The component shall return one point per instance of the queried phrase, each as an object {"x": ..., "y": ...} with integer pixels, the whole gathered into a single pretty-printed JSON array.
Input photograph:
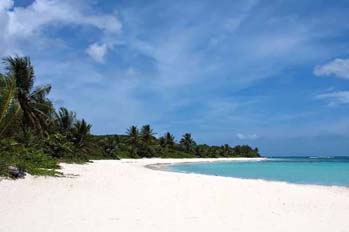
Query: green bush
[
  {"x": 58, "y": 146},
  {"x": 34, "y": 162}
]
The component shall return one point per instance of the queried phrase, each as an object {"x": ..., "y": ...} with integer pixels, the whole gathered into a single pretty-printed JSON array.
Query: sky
[{"x": 272, "y": 74}]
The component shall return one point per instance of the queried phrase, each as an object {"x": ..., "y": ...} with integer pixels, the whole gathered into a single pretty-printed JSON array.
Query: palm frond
[
  {"x": 22, "y": 70},
  {"x": 40, "y": 93},
  {"x": 9, "y": 107}
]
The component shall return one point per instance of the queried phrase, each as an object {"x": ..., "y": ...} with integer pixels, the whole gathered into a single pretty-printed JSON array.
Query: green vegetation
[{"x": 35, "y": 137}]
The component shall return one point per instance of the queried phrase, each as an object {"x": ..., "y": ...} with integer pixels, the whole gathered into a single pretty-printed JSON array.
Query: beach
[{"x": 137, "y": 195}]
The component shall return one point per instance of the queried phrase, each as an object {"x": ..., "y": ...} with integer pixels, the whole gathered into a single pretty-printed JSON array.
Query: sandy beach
[{"x": 127, "y": 196}]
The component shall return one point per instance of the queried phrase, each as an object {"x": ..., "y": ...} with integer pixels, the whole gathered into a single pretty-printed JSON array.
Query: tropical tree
[
  {"x": 9, "y": 107},
  {"x": 109, "y": 145},
  {"x": 65, "y": 119},
  {"x": 162, "y": 141},
  {"x": 58, "y": 146},
  {"x": 147, "y": 140},
  {"x": 133, "y": 140},
  {"x": 147, "y": 135},
  {"x": 80, "y": 134},
  {"x": 187, "y": 142},
  {"x": 168, "y": 140},
  {"x": 36, "y": 108},
  {"x": 198, "y": 151},
  {"x": 226, "y": 150}
]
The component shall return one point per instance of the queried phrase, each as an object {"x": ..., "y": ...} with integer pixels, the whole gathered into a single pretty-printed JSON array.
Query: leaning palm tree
[
  {"x": 187, "y": 142},
  {"x": 9, "y": 107},
  {"x": 33, "y": 102}
]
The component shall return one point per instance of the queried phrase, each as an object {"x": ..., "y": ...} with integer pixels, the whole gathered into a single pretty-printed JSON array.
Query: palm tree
[
  {"x": 169, "y": 139},
  {"x": 36, "y": 108},
  {"x": 80, "y": 132},
  {"x": 133, "y": 134},
  {"x": 133, "y": 139},
  {"x": 147, "y": 135},
  {"x": 65, "y": 119},
  {"x": 9, "y": 107},
  {"x": 110, "y": 146},
  {"x": 147, "y": 139},
  {"x": 187, "y": 142}
]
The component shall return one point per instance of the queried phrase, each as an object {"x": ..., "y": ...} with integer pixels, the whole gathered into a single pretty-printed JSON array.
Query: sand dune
[{"x": 126, "y": 196}]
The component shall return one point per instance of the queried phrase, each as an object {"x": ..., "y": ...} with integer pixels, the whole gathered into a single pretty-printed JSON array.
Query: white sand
[{"x": 125, "y": 196}]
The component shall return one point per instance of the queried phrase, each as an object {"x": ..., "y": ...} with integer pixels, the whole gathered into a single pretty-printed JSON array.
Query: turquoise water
[{"x": 319, "y": 171}]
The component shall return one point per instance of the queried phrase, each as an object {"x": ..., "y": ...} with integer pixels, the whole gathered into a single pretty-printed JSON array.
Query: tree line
[
  {"x": 35, "y": 137},
  {"x": 140, "y": 143}
]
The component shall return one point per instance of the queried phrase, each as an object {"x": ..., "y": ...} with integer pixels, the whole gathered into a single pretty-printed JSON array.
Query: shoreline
[
  {"x": 171, "y": 161},
  {"x": 125, "y": 195},
  {"x": 162, "y": 166}
]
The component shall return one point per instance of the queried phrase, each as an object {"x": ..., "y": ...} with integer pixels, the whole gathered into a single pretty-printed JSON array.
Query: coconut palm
[
  {"x": 109, "y": 146},
  {"x": 167, "y": 140},
  {"x": 147, "y": 135},
  {"x": 187, "y": 142},
  {"x": 133, "y": 140},
  {"x": 170, "y": 139},
  {"x": 65, "y": 119},
  {"x": 80, "y": 133},
  {"x": 9, "y": 107},
  {"x": 36, "y": 108},
  {"x": 147, "y": 140},
  {"x": 133, "y": 134}
]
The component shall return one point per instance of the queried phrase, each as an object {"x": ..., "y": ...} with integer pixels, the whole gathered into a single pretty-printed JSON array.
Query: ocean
[{"x": 301, "y": 170}]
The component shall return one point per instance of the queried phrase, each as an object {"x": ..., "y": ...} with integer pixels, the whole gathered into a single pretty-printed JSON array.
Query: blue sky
[{"x": 272, "y": 74}]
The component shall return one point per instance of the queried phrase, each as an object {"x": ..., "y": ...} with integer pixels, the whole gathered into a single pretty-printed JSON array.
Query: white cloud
[
  {"x": 6, "y": 4},
  {"x": 45, "y": 12},
  {"x": 337, "y": 67},
  {"x": 26, "y": 23},
  {"x": 97, "y": 51},
  {"x": 335, "y": 98},
  {"x": 246, "y": 136}
]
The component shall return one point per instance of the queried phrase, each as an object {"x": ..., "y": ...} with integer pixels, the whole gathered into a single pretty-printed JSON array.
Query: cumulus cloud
[
  {"x": 23, "y": 23},
  {"x": 337, "y": 67},
  {"x": 97, "y": 51},
  {"x": 246, "y": 136},
  {"x": 335, "y": 98},
  {"x": 44, "y": 12}
]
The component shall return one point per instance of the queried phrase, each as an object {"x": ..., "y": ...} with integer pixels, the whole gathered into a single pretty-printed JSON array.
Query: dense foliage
[{"x": 35, "y": 137}]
